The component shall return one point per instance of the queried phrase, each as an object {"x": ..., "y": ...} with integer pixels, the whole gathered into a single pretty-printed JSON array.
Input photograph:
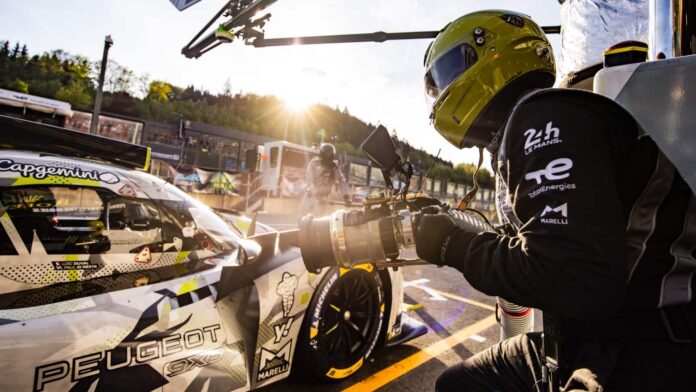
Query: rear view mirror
[
  {"x": 380, "y": 149},
  {"x": 248, "y": 251}
]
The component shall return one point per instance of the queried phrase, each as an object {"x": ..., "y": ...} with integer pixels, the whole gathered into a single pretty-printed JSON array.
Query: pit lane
[
  {"x": 460, "y": 323},
  {"x": 460, "y": 320}
]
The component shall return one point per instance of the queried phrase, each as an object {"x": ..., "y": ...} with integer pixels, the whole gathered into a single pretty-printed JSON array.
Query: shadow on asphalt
[
  {"x": 437, "y": 328},
  {"x": 297, "y": 381}
]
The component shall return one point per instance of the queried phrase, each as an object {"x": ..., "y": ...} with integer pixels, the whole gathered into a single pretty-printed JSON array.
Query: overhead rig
[{"x": 243, "y": 20}]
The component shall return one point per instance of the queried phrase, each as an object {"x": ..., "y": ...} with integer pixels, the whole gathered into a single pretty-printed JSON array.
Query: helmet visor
[{"x": 447, "y": 68}]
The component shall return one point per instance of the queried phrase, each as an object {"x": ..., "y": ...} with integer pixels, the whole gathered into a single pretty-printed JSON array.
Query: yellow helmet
[{"x": 478, "y": 67}]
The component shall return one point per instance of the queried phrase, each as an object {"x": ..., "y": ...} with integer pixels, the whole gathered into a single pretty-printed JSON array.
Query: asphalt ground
[{"x": 460, "y": 321}]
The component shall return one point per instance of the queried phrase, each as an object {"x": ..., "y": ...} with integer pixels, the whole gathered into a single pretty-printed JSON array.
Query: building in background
[
  {"x": 119, "y": 128},
  {"x": 31, "y": 107},
  {"x": 206, "y": 158}
]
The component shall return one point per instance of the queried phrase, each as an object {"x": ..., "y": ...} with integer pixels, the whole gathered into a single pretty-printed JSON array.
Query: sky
[{"x": 376, "y": 82}]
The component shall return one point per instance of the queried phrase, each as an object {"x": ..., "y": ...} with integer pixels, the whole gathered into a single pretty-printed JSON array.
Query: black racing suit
[{"x": 599, "y": 214}]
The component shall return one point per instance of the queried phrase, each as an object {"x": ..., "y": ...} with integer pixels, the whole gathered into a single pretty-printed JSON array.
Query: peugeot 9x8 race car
[{"x": 113, "y": 279}]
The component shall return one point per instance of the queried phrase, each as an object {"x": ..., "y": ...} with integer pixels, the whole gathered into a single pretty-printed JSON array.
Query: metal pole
[
  {"x": 379, "y": 36},
  {"x": 248, "y": 192},
  {"x": 98, "y": 98},
  {"x": 662, "y": 29}
]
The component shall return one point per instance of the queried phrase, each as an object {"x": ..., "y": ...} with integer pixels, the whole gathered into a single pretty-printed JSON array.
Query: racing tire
[{"x": 343, "y": 323}]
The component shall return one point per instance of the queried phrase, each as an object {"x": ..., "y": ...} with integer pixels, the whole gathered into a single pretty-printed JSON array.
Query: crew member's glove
[
  {"x": 439, "y": 240},
  {"x": 347, "y": 200}
]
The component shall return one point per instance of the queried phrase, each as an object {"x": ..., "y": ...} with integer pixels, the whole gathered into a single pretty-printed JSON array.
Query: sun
[
  {"x": 300, "y": 89},
  {"x": 297, "y": 102}
]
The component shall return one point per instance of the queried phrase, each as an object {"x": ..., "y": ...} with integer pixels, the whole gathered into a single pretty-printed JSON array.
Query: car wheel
[{"x": 342, "y": 324}]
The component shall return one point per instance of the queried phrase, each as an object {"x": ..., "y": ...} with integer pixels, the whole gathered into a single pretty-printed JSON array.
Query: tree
[
  {"x": 15, "y": 52},
  {"x": 24, "y": 54},
  {"x": 44, "y": 88},
  {"x": 75, "y": 93},
  {"x": 484, "y": 176},
  {"x": 5, "y": 49},
  {"x": 4, "y": 62},
  {"x": 159, "y": 91},
  {"x": 78, "y": 67},
  {"x": 19, "y": 86},
  {"x": 227, "y": 89},
  {"x": 142, "y": 84},
  {"x": 121, "y": 78},
  {"x": 121, "y": 102},
  {"x": 117, "y": 77}
]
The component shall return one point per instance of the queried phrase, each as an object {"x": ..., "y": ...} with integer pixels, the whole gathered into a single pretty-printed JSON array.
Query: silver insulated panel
[{"x": 589, "y": 27}]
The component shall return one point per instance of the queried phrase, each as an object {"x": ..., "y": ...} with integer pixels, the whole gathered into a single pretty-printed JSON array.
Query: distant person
[{"x": 322, "y": 174}]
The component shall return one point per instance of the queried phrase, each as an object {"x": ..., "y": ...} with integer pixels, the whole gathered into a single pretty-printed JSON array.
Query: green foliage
[
  {"x": 54, "y": 74},
  {"x": 159, "y": 91},
  {"x": 76, "y": 93},
  {"x": 4, "y": 49},
  {"x": 70, "y": 78},
  {"x": 484, "y": 176},
  {"x": 349, "y": 149},
  {"x": 19, "y": 86},
  {"x": 45, "y": 88}
]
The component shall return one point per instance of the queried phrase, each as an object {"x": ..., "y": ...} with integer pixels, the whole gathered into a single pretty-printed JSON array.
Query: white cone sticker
[{"x": 144, "y": 256}]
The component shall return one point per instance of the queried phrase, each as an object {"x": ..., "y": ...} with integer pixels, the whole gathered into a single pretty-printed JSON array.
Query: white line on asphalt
[
  {"x": 415, "y": 282},
  {"x": 396, "y": 370},
  {"x": 458, "y": 298},
  {"x": 477, "y": 338},
  {"x": 418, "y": 283}
]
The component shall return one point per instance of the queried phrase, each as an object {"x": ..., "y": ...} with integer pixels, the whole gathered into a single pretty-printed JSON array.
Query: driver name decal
[{"x": 74, "y": 265}]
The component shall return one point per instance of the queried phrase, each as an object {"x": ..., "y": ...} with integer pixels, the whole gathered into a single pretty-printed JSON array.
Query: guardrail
[{"x": 253, "y": 187}]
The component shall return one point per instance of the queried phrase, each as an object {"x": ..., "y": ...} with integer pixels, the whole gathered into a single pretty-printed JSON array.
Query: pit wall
[{"x": 217, "y": 201}]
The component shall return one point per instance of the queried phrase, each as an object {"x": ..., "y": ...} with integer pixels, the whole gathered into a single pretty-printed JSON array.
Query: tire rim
[{"x": 348, "y": 319}]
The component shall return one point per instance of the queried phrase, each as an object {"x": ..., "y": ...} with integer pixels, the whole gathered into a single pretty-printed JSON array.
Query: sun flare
[{"x": 297, "y": 103}]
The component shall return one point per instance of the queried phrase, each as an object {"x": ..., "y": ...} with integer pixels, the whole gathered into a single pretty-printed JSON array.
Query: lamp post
[{"x": 108, "y": 42}]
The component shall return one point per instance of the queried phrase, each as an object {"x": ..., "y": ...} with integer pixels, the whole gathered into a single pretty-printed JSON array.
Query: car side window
[
  {"x": 132, "y": 224},
  {"x": 79, "y": 220},
  {"x": 66, "y": 220},
  {"x": 132, "y": 214}
]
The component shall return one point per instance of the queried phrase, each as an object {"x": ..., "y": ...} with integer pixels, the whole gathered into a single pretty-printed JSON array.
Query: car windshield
[
  {"x": 200, "y": 222},
  {"x": 241, "y": 224}
]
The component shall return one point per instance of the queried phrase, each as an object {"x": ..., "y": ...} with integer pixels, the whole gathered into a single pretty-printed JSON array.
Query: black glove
[{"x": 439, "y": 240}]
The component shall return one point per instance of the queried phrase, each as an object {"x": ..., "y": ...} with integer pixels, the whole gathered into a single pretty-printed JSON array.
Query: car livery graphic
[{"x": 113, "y": 279}]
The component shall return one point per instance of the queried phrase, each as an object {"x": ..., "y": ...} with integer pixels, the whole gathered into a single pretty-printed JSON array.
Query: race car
[{"x": 113, "y": 279}]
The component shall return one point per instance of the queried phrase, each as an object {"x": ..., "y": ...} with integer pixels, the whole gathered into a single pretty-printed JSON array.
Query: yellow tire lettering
[{"x": 338, "y": 374}]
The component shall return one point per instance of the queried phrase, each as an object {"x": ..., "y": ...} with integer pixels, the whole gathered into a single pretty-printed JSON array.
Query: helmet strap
[{"x": 464, "y": 203}]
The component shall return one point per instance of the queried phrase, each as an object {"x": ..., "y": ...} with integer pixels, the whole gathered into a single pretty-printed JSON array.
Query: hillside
[{"x": 72, "y": 78}]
